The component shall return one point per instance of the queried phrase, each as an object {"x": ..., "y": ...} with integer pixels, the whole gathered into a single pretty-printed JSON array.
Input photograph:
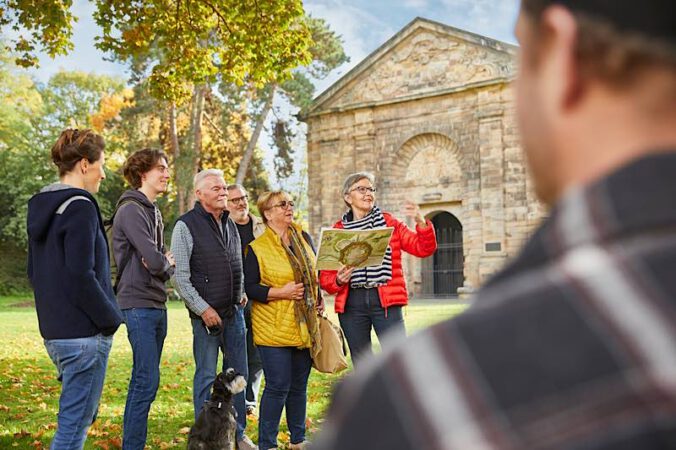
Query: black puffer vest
[{"x": 216, "y": 261}]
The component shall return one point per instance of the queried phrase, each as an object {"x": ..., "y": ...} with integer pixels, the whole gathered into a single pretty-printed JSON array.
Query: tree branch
[{"x": 214, "y": 126}]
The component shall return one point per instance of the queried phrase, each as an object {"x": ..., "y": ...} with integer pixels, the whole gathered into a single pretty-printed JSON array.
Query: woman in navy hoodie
[{"x": 70, "y": 273}]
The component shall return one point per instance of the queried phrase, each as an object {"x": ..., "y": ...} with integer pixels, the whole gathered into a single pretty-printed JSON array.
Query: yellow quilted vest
[{"x": 274, "y": 323}]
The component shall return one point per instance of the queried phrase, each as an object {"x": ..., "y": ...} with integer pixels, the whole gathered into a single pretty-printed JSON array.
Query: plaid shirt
[{"x": 572, "y": 345}]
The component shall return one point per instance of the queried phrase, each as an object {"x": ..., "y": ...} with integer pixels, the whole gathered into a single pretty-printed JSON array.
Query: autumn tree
[
  {"x": 327, "y": 54},
  {"x": 186, "y": 47},
  {"x": 32, "y": 117},
  {"x": 45, "y": 25}
]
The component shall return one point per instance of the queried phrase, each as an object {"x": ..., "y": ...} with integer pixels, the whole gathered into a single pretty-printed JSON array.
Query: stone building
[{"x": 431, "y": 114}]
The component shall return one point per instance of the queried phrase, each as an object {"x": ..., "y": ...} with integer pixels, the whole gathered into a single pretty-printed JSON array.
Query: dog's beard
[{"x": 237, "y": 385}]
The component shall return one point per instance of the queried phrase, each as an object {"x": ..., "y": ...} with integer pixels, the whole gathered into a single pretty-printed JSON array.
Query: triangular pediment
[{"x": 424, "y": 58}]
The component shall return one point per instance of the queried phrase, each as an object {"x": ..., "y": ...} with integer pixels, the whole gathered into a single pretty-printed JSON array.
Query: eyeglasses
[
  {"x": 364, "y": 189},
  {"x": 284, "y": 204},
  {"x": 237, "y": 200}
]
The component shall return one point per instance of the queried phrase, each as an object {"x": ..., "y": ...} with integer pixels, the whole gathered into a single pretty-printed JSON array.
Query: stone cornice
[{"x": 424, "y": 95}]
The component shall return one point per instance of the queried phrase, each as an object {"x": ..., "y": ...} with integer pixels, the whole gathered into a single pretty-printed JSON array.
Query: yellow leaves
[
  {"x": 184, "y": 430},
  {"x": 110, "y": 107}
]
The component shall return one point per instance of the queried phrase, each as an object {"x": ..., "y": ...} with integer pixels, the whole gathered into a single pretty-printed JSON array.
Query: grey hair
[
  {"x": 232, "y": 187},
  {"x": 204, "y": 174},
  {"x": 355, "y": 178}
]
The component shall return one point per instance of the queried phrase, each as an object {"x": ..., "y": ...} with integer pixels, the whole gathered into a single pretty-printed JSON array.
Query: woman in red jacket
[{"x": 372, "y": 297}]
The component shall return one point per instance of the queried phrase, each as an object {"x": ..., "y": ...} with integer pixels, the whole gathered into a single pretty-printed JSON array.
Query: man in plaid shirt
[{"x": 573, "y": 344}]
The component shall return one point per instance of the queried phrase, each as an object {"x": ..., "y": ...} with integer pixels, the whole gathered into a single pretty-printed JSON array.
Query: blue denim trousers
[
  {"x": 364, "y": 312},
  {"x": 146, "y": 330},
  {"x": 205, "y": 348},
  {"x": 286, "y": 372},
  {"x": 253, "y": 360},
  {"x": 81, "y": 366}
]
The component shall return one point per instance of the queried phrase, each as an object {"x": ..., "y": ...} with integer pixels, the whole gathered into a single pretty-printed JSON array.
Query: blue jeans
[
  {"x": 286, "y": 372},
  {"x": 146, "y": 330},
  {"x": 254, "y": 361},
  {"x": 363, "y": 311},
  {"x": 205, "y": 347},
  {"x": 81, "y": 366}
]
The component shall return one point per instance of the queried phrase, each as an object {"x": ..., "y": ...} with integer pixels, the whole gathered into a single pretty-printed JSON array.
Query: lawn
[{"x": 29, "y": 390}]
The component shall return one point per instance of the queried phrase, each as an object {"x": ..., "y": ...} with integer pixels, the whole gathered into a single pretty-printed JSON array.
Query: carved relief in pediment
[{"x": 426, "y": 62}]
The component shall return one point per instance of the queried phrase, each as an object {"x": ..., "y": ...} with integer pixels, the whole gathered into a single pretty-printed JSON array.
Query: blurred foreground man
[{"x": 573, "y": 345}]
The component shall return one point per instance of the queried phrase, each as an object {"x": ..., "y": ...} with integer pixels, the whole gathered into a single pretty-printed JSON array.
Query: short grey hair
[
  {"x": 204, "y": 174},
  {"x": 355, "y": 178},
  {"x": 232, "y": 187}
]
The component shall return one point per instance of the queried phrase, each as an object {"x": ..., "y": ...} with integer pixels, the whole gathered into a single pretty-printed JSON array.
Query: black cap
[{"x": 655, "y": 19}]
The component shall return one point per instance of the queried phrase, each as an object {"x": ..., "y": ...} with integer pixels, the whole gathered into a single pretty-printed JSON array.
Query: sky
[{"x": 363, "y": 24}]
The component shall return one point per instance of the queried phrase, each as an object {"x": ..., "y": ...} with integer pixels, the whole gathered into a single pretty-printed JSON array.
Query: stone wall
[{"x": 455, "y": 149}]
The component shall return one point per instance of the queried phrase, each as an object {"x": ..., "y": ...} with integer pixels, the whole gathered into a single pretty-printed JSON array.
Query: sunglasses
[
  {"x": 364, "y": 189},
  {"x": 237, "y": 200},
  {"x": 284, "y": 204}
]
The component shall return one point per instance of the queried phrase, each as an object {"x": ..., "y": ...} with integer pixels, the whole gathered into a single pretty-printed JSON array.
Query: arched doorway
[{"x": 443, "y": 273}]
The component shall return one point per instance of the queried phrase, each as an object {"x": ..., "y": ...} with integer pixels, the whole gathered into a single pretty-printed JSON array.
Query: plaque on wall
[{"x": 493, "y": 246}]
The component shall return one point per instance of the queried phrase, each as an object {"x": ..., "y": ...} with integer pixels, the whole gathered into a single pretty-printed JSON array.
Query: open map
[{"x": 355, "y": 248}]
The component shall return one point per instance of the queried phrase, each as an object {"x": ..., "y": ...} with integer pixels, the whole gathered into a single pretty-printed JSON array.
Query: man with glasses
[{"x": 249, "y": 227}]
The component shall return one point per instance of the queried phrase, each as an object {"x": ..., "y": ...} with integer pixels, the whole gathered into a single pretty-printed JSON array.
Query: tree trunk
[
  {"x": 176, "y": 151},
  {"x": 196, "y": 128},
  {"x": 188, "y": 157},
  {"x": 251, "y": 145}
]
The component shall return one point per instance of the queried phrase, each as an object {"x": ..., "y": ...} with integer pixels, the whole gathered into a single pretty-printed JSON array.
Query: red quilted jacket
[{"x": 420, "y": 243}]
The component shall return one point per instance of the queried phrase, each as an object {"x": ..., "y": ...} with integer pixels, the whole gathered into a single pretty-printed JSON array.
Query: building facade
[{"x": 431, "y": 114}]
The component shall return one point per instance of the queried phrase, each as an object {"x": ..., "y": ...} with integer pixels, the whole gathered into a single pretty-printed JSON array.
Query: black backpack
[{"x": 115, "y": 270}]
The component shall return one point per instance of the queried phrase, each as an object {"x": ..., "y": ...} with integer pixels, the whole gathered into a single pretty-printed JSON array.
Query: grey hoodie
[{"x": 138, "y": 233}]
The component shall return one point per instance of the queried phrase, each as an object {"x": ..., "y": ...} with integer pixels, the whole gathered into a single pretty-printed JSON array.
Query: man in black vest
[{"x": 209, "y": 278}]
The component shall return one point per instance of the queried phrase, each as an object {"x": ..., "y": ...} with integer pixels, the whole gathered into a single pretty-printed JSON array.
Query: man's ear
[{"x": 566, "y": 84}]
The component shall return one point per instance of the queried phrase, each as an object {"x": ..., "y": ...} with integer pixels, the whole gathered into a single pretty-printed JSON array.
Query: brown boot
[{"x": 299, "y": 446}]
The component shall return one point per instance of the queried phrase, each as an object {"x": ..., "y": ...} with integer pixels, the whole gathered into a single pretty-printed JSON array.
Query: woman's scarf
[
  {"x": 373, "y": 276},
  {"x": 303, "y": 265}
]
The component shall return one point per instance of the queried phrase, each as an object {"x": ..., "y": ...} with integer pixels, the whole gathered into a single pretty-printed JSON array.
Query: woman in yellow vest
[{"x": 280, "y": 278}]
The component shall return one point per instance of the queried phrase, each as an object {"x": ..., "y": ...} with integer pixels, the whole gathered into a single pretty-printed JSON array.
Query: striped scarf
[{"x": 373, "y": 276}]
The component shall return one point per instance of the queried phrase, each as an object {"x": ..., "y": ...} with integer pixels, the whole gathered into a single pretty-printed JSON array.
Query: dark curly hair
[
  {"x": 73, "y": 145},
  {"x": 140, "y": 162}
]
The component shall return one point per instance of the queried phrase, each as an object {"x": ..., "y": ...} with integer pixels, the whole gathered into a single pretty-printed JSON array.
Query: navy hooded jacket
[{"x": 68, "y": 265}]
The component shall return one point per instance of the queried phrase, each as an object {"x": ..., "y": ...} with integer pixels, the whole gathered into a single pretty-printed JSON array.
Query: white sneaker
[{"x": 246, "y": 444}]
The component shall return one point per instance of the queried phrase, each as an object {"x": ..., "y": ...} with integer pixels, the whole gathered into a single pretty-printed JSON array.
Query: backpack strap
[
  {"x": 62, "y": 208},
  {"x": 127, "y": 256}
]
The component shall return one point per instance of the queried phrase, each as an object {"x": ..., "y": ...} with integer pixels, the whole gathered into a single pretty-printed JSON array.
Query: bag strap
[
  {"x": 68, "y": 201},
  {"x": 127, "y": 256}
]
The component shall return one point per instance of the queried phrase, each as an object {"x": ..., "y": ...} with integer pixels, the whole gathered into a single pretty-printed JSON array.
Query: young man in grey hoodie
[{"x": 143, "y": 269}]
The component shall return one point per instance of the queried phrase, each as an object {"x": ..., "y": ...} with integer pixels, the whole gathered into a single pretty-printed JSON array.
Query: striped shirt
[
  {"x": 572, "y": 345},
  {"x": 181, "y": 247}
]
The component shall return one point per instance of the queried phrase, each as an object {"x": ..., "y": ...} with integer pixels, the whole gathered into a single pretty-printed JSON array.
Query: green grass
[{"x": 29, "y": 390}]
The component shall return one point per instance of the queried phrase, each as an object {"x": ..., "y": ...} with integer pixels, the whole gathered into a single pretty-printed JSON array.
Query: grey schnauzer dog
[{"x": 216, "y": 424}]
